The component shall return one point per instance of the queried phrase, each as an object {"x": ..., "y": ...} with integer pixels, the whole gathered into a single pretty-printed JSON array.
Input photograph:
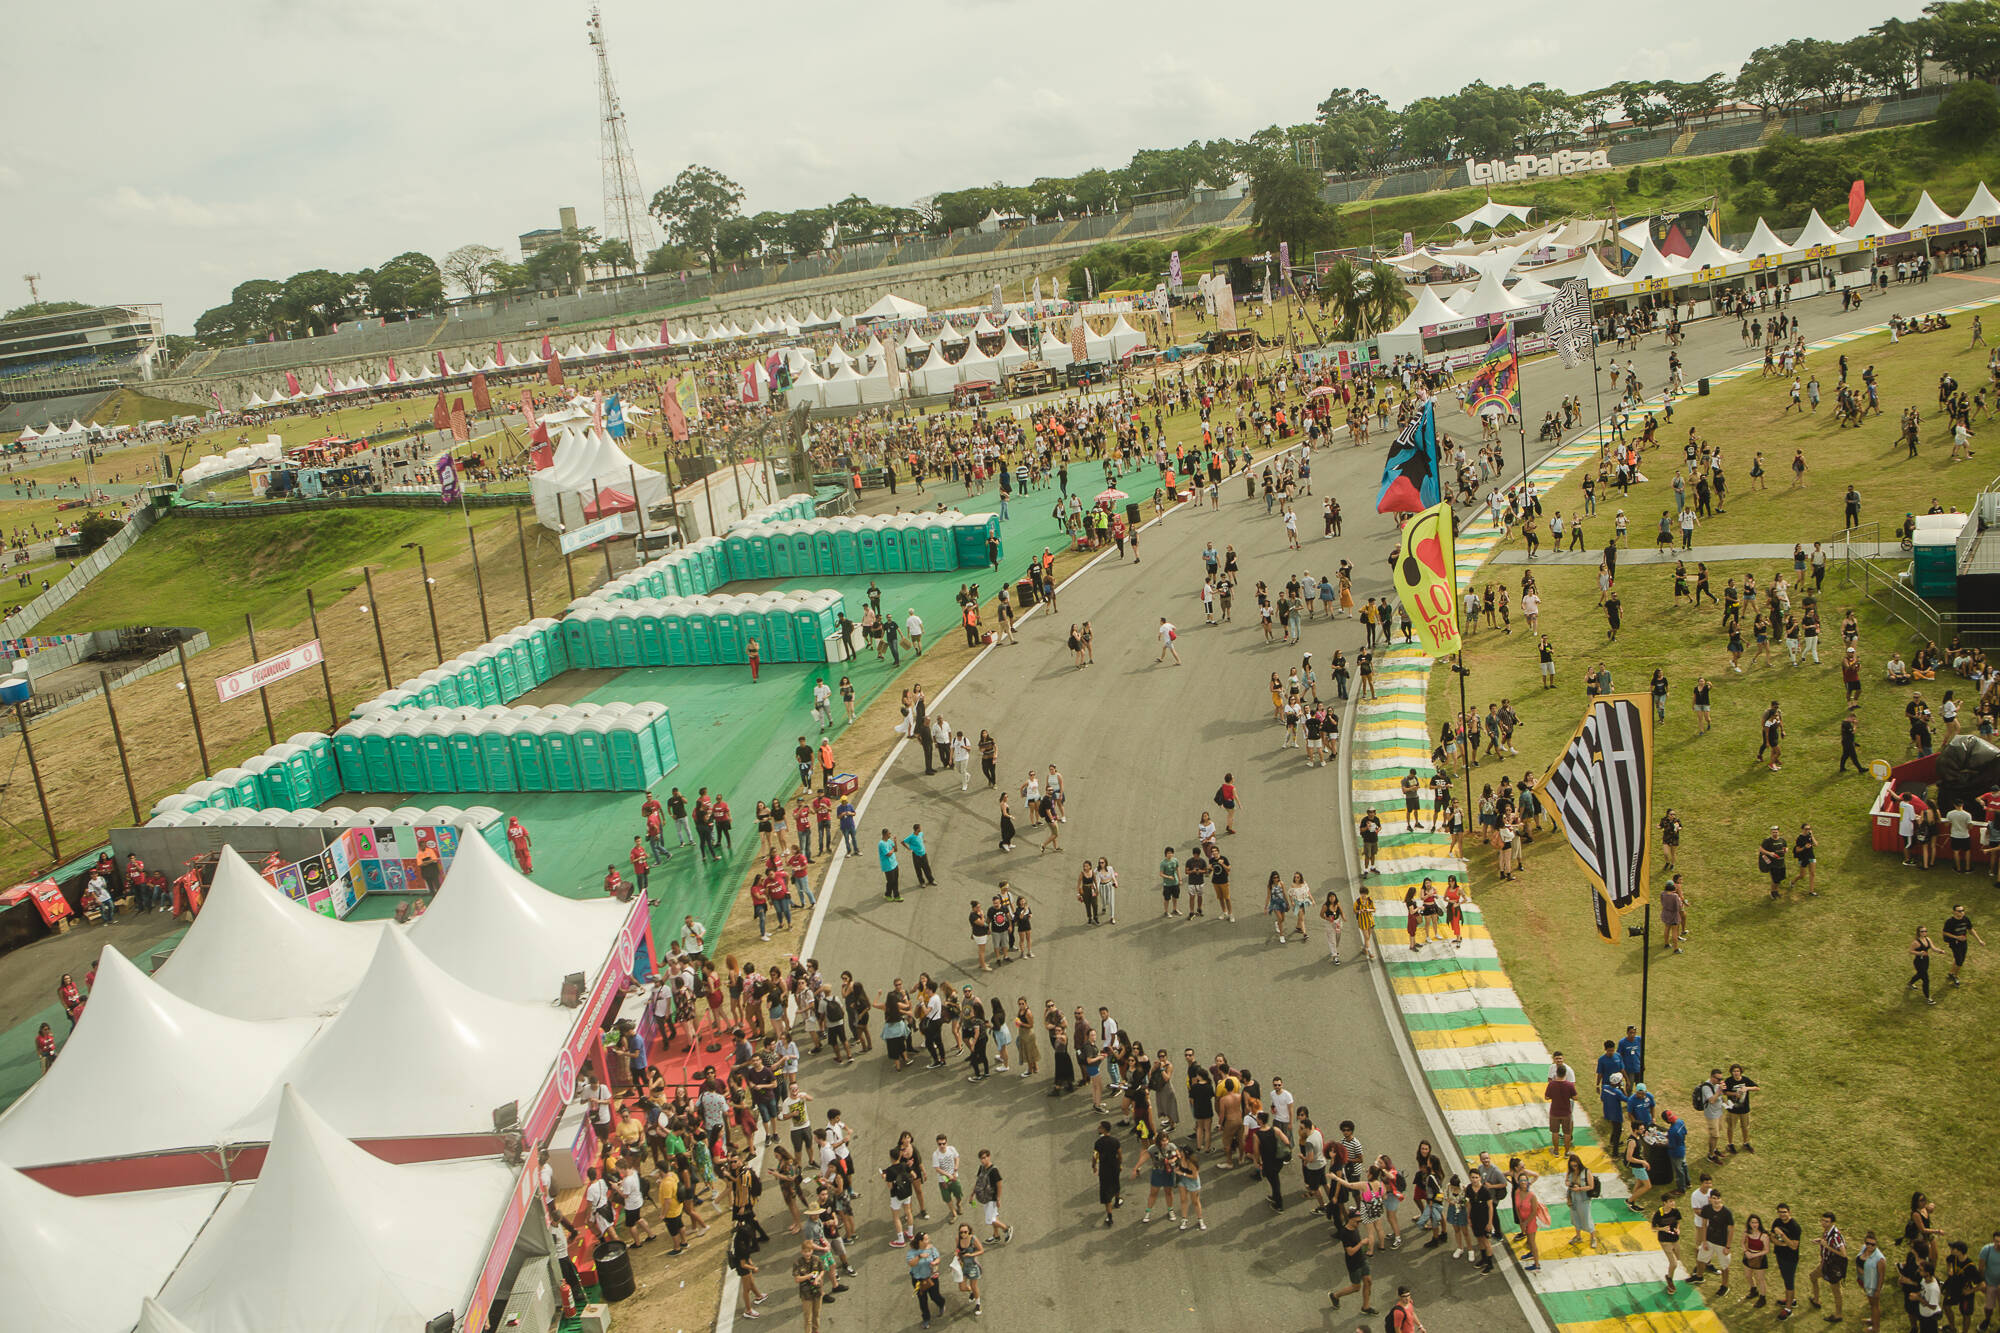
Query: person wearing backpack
[
  {"x": 1711, "y": 1101},
  {"x": 986, "y": 1186}
]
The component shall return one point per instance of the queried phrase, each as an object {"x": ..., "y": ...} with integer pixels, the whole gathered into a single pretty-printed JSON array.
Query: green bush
[
  {"x": 1968, "y": 115},
  {"x": 1739, "y": 168},
  {"x": 96, "y": 530}
]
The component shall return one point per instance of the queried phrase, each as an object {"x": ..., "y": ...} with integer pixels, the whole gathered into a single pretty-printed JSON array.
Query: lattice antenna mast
[{"x": 625, "y": 215}]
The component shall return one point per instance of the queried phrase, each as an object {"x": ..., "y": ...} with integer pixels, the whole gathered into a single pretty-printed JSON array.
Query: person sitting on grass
[{"x": 1895, "y": 671}]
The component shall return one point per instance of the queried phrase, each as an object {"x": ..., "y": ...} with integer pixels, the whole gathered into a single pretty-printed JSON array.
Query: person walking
[
  {"x": 1168, "y": 634},
  {"x": 922, "y": 1258},
  {"x": 1920, "y": 962},
  {"x": 885, "y": 851},
  {"x": 986, "y": 1189},
  {"x": 920, "y": 857},
  {"x": 1107, "y": 1160}
]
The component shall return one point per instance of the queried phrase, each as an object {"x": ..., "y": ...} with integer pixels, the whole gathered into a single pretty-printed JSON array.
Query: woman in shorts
[
  {"x": 1187, "y": 1172},
  {"x": 1196, "y": 870},
  {"x": 1302, "y": 901},
  {"x": 1277, "y": 903}
]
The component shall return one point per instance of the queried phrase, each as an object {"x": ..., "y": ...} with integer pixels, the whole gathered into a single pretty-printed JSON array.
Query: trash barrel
[{"x": 614, "y": 1271}]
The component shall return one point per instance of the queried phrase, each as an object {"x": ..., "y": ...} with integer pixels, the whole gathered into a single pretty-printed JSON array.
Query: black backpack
[{"x": 1704, "y": 1093}]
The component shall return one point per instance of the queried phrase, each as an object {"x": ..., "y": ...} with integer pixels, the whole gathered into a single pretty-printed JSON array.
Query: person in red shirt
[
  {"x": 823, "y": 816},
  {"x": 760, "y": 903},
  {"x": 71, "y": 997},
  {"x": 1560, "y": 1094},
  {"x": 798, "y": 866},
  {"x": 755, "y": 656},
  {"x": 517, "y": 838},
  {"x": 615, "y": 886},
  {"x": 656, "y": 826},
  {"x": 1225, "y": 796},
  {"x": 45, "y": 1046},
  {"x": 802, "y": 825},
  {"x": 642, "y": 869}
]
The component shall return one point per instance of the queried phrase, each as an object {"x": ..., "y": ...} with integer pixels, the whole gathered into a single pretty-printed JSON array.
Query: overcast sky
[{"x": 166, "y": 153}]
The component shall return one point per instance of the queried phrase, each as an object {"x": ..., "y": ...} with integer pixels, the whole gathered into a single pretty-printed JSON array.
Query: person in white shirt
[
  {"x": 600, "y": 1108},
  {"x": 597, "y": 1197},
  {"x": 632, "y": 1192},
  {"x": 944, "y": 1165},
  {"x": 1281, "y": 1108},
  {"x": 1167, "y": 636},
  {"x": 823, "y": 703},
  {"x": 693, "y": 935},
  {"x": 914, "y": 627},
  {"x": 961, "y": 759}
]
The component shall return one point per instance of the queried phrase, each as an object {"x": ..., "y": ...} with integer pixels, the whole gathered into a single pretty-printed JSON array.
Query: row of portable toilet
[
  {"x": 703, "y": 631},
  {"x": 803, "y": 548},
  {"x": 581, "y": 747},
  {"x": 496, "y": 672},
  {"x": 791, "y": 507},
  {"x": 481, "y": 819},
  {"x": 297, "y": 774}
]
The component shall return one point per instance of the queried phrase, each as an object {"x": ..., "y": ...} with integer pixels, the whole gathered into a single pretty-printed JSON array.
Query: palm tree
[
  {"x": 1388, "y": 296},
  {"x": 1346, "y": 292}
]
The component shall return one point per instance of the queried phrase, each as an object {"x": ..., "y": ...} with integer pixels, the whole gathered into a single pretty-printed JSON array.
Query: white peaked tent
[
  {"x": 1056, "y": 352},
  {"x": 983, "y": 325},
  {"x": 1096, "y": 346},
  {"x": 383, "y": 381},
  {"x": 1016, "y": 320},
  {"x": 876, "y": 385},
  {"x": 498, "y": 931},
  {"x": 1489, "y": 297},
  {"x": 1429, "y": 309},
  {"x": 1533, "y": 291},
  {"x": 467, "y": 368},
  {"x": 317, "y": 391},
  {"x": 193, "y": 1072},
  {"x": 1870, "y": 223},
  {"x": 1593, "y": 271},
  {"x": 83, "y": 1265},
  {"x": 1490, "y": 214},
  {"x": 254, "y": 953},
  {"x": 833, "y": 316},
  {"x": 842, "y": 388},
  {"x": 589, "y": 464},
  {"x": 417, "y": 1052},
  {"x": 1711, "y": 253},
  {"x": 1927, "y": 214},
  {"x": 1816, "y": 233},
  {"x": 597, "y": 349},
  {"x": 1652, "y": 264},
  {"x": 873, "y": 354},
  {"x": 333, "y": 1238},
  {"x": 1124, "y": 338},
  {"x": 1983, "y": 205},
  {"x": 813, "y": 319},
  {"x": 489, "y": 364},
  {"x": 806, "y": 388},
  {"x": 912, "y": 345},
  {"x": 1764, "y": 243},
  {"x": 1013, "y": 352},
  {"x": 937, "y": 374},
  {"x": 976, "y": 364},
  {"x": 30, "y": 433}
]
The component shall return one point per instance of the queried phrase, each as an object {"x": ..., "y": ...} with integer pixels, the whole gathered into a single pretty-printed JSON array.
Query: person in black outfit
[
  {"x": 1269, "y": 1137},
  {"x": 1847, "y": 738},
  {"x": 920, "y": 720},
  {"x": 1107, "y": 1156}
]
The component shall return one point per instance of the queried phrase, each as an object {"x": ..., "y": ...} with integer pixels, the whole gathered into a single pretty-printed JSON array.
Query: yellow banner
[
  {"x": 688, "y": 391},
  {"x": 1427, "y": 578}
]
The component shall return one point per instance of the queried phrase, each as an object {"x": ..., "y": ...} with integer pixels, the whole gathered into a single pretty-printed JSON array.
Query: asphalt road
[{"x": 1142, "y": 746}]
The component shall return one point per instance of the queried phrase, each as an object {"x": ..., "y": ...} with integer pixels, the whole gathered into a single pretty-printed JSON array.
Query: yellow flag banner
[
  {"x": 689, "y": 393},
  {"x": 1427, "y": 578}
]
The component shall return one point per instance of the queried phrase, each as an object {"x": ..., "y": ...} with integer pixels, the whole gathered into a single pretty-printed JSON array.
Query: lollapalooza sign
[{"x": 1527, "y": 166}]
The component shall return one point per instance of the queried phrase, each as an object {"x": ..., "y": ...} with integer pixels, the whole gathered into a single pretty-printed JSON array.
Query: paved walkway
[{"x": 1641, "y": 555}]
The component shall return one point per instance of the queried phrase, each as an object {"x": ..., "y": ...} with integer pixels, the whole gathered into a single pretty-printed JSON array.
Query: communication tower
[{"x": 625, "y": 215}]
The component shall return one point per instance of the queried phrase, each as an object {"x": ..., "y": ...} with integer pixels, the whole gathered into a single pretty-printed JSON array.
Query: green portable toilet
[
  {"x": 353, "y": 767},
  {"x": 559, "y": 745},
  {"x": 806, "y": 631},
  {"x": 531, "y": 759},
  {"x": 496, "y": 756},
  {"x": 780, "y": 639},
  {"x": 508, "y": 677},
  {"x": 701, "y": 638},
  {"x": 871, "y": 549},
  {"x": 537, "y": 640},
  {"x": 593, "y": 754},
  {"x": 635, "y": 763},
  {"x": 576, "y": 641},
  {"x": 408, "y": 755},
  {"x": 916, "y": 554},
  {"x": 940, "y": 550},
  {"x": 805, "y": 555},
  {"x": 625, "y": 639},
  {"x": 468, "y": 759},
  {"x": 892, "y": 548},
  {"x": 272, "y": 792},
  {"x": 784, "y": 556},
  {"x": 846, "y": 546},
  {"x": 726, "y": 628},
  {"x": 677, "y": 577},
  {"x": 597, "y": 633},
  {"x": 320, "y": 757},
  {"x": 516, "y": 642},
  {"x": 301, "y": 777},
  {"x": 426, "y": 692},
  {"x": 489, "y": 680},
  {"x": 663, "y": 738},
  {"x": 381, "y": 760},
  {"x": 652, "y": 629},
  {"x": 443, "y": 689},
  {"x": 659, "y": 583},
  {"x": 548, "y": 634},
  {"x": 674, "y": 638},
  {"x": 209, "y": 794},
  {"x": 758, "y": 546},
  {"x": 714, "y": 568},
  {"x": 249, "y": 791},
  {"x": 736, "y": 556}
]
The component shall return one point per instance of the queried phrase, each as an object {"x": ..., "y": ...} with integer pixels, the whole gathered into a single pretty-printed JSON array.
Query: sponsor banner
[
  {"x": 591, "y": 533},
  {"x": 269, "y": 671}
]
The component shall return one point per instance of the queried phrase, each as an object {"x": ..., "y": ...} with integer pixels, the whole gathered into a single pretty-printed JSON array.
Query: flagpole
[{"x": 1645, "y": 983}]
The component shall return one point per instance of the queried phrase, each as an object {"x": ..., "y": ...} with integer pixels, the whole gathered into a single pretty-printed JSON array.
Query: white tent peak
[
  {"x": 1982, "y": 205},
  {"x": 1489, "y": 297},
  {"x": 1651, "y": 263},
  {"x": 1870, "y": 223},
  {"x": 1763, "y": 243},
  {"x": 498, "y": 931},
  {"x": 1490, "y": 214},
  {"x": 1926, "y": 214},
  {"x": 1711, "y": 253},
  {"x": 1816, "y": 233},
  {"x": 1430, "y": 309},
  {"x": 253, "y": 953}
]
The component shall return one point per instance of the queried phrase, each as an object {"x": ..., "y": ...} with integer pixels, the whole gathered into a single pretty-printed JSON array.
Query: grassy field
[{"x": 1749, "y": 416}]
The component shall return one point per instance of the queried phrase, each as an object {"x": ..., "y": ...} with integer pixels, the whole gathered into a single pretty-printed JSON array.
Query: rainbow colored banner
[{"x": 1498, "y": 379}]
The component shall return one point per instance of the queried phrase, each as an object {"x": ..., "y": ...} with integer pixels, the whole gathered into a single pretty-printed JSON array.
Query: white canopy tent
[
  {"x": 1927, "y": 214},
  {"x": 1124, "y": 338},
  {"x": 331, "y": 1237},
  {"x": 83, "y": 1265},
  {"x": 589, "y": 465},
  {"x": 1711, "y": 253},
  {"x": 416, "y": 1052},
  {"x": 976, "y": 364},
  {"x": 842, "y": 388},
  {"x": 937, "y": 374},
  {"x": 1870, "y": 223},
  {"x": 1490, "y": 214},
  {"x": 891, "y": 306},
  {"x": 911, "y": 345},
  {"x": 1408, "y": 335},
  {"x": 1652, "y": 264},
  {"x": 255, "y": 954},
  {"x": 1764, "y": 243},
  {"x": 1983, "y": 205},
  {"x": 193, "y": 1072},
  {"x": 1013, "y": 352},
  {"x": 1816, "y": 233},
  {"x": 806, "y": 389},
  {"x": 1489, "y": 297},
  {"x": 1533, "y": 291},
  {"x": 877, "y": 386}
]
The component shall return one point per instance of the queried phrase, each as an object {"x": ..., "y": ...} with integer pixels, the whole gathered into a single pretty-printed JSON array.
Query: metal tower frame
[{"x": 625, "y": 215}]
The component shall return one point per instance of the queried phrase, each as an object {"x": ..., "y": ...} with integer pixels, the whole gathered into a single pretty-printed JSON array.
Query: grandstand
[{"x": 52, "y": 354}]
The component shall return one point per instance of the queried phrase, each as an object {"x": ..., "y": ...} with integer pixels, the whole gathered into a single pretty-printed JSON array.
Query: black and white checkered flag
[{"x": 1568, "y": 323}]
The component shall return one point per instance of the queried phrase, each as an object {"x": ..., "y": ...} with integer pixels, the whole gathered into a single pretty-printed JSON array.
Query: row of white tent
[
  {"x": 272, "y": 1024},
  {"x": 1535, "y": 288},
  {"x": 919, "y": 367}
]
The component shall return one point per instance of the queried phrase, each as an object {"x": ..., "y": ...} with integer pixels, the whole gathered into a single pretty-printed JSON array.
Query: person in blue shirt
[
  {"x": 923, "y": 1260},
  {"x": 918, "y": 857},
  {"x": 1611, "y": 1092},
  {"x": 891, "y": 873},
  {"x": 1632, "y": 1055},
  {"x": 848, "y": 827},
  {"x": 1677, "y": 1147},
  {"x": 1639, "y": 1106}
]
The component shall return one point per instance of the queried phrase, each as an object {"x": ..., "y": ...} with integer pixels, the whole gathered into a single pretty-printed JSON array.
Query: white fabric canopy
[
  {"x": 30, "y": 433},
  {"x": 1489, "y": 297},
  {"x": 83, "y": 1265},
  {"x": 1764, "y": 243},
  {"x": 1652, "y": 264},
  {"x": 1927, "y": 214},
  {"x": 1124, "y": 337},
  {"x": 1490, "y": 214},
  {"x": 254, "y": 953},
  {"x": 891, "y": 306},
  {"x": 1429, "y": 309},
  {"x": 1711, "y": 253},
  {"x": 1983, "y": 205},
  {"x": 842, "y": 388},
  {"x": 417, "y": 1052},
  {"x": 1870, "y": 223},
  {"x": 498, "y": 931},
  {"x": 144, "y": 1072},
  {"x": 937, "y": 374},
  {"x": 805, "y": 389},
  {"x": 331, "y": 1239},
  {"x": 1532, "y": 291},
  {"x": 1815, "y": 233},
  {"x": 589, "y": 463}
]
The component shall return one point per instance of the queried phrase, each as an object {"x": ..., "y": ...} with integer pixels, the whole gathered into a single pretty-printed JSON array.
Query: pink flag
[
  {"x": 548, "y": 352},
  {"x": 500, "y": 353},
  {"x": 329, "y": 377},
  {"x": 665, "y": 336},
  {"x": 443, "y": 369},
  {"x": 392, "y": 370},
  {"x": 597, "y": 410},
  {"x": 611, "y": 341},
  {"x": 292, "y": 383}
]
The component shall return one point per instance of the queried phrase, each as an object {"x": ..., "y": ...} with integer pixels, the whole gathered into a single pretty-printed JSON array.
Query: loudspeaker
[
  {"x": 1132, "y": 515},
  {"x": 1701, "y": 387},
  {"x": 572, "y": 990},
  {"x": 443, "y": 1323}
]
